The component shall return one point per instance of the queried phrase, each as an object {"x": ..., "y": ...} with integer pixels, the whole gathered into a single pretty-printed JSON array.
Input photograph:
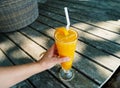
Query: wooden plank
[
  {"x": 101, "y": 53},
  {"x": 87, "y": 8},
  {"x": 23, "y": 84},
  {"x": 115, "y": 22},
  {"x": 4, "y": 61},
  {"x": 94, "y": 15},
  {"x": 45, "y": 80},
  {"x": 85, "y": 16},
  {"x": 20, "y": 57},
  {"x": 95, "y": 41},
  {"x": 99, "y": 32},
  {"x": 105, "y": 11},
  {"x": 39, "y": 38},
  {"x": 79, "y": 63},
  {"x": 102, "y": 5},
  {"x": 16, "y": 37}
]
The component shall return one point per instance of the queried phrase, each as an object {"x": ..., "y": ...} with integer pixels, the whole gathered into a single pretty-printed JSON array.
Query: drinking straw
[{"x": 67, "y": 18}]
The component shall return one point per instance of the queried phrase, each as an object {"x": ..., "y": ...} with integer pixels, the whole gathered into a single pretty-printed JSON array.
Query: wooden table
[{"x": 98, "y": 51}]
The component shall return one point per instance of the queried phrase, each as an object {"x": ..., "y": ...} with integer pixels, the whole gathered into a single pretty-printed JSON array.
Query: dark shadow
[
  {"x": 1, "y": 38},
  {"x": 101, "y": 45},
  {"x": 88, "y": 10}
]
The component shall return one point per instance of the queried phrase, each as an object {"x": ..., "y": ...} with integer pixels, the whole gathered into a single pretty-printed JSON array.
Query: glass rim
[{"x": 70, "y": 41}]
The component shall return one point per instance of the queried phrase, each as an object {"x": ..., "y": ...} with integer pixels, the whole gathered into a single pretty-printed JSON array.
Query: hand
[{"x": 51, "y": 58}]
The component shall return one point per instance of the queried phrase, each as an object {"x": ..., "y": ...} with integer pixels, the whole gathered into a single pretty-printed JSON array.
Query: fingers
[
  {"x": 64, "y": 59},
  {"x": 52, "y": 51}
]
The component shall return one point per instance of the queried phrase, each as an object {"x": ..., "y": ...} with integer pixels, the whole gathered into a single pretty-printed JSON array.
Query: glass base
[{"x": 66, "y": 75}]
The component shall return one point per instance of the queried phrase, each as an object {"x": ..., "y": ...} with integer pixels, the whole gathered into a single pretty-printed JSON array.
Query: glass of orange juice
[{"x": 66, "y": 41}]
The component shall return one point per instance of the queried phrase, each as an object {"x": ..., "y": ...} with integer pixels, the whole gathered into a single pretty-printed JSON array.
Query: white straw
[{"x": 67, "y": 18}]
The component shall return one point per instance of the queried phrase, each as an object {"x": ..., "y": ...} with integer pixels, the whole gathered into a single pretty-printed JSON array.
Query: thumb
[{"x": 63, "y": 59}]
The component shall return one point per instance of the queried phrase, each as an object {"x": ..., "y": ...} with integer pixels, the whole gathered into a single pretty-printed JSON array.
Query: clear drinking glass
[{"x": 66, "y": 45}]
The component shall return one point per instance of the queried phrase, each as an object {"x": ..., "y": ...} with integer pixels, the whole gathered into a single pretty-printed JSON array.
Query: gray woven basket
[{"x": 16, "y": 14}]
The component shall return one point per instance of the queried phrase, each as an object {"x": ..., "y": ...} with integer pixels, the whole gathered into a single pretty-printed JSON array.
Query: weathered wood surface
[
  {"x": 98, "y": 49},
  {"x": 94, "y": 16}
]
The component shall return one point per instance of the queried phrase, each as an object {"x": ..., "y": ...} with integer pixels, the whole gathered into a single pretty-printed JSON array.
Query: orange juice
[{"x": 66, "y": 44}]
